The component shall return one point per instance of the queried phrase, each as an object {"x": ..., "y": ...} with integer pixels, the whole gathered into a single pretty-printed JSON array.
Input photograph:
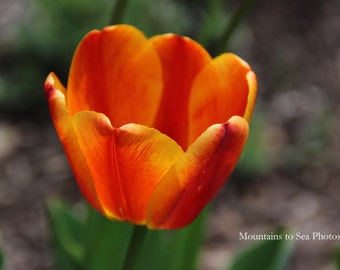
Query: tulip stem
[
  {"x": 136, "y": 242},
  {"x": 118, "y": 11}
]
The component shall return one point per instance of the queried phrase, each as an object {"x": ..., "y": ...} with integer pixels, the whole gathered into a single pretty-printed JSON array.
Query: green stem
[
  {"x": 233, "y": 23},
  {"x": 118, "y": 11},
  {"x": 136, "y": 242}
]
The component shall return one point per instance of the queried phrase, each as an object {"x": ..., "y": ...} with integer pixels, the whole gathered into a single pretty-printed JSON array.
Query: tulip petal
[
  {"x": 252, "y": 82},
  {"x": 117, "y": 72},
  {"x": 126, "y": 163},
  {"x": 55, "y": 94},
  {"x": 182, "y": 58},
  {"x": 196, "y": 178},
  {"x": 224, "y": 88}
]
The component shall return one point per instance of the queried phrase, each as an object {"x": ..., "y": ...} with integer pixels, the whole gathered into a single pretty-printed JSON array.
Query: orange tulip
[{"x": 152, "y": 128}]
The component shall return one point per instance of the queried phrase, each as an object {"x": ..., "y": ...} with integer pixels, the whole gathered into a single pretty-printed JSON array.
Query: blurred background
[{"x": 289, "y": 173}]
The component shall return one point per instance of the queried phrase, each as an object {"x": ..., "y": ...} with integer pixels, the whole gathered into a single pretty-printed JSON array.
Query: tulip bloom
[{"x": 152, "y": 128}]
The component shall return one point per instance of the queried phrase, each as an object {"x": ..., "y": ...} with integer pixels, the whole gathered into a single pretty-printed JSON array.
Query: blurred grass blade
[
  {"x": 1, "y": 260},
  {"x": 213, "y": 26},
  {"x": 106, "y": 242},
  {"x": 267, "y": 255},
  {"x": 232, "y": 25},
  {"x": 183, "y": 246},
  {"x": 67, "y": 231},
  {"x": 337, "y": 257},
  {"x": 118, "y": 12}
]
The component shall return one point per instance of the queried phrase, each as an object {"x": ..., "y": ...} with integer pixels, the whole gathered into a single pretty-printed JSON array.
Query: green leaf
[
  {"x": 266, "y": 255},
  {"x": 100, "y": 243},
  {"x": 1, "y": 260},
  {"x": 106, "y": 242},
  {"x": 182, "y": 247},
  {"x": 337, "y": 257},
  {"x": 67, "y": 230}
]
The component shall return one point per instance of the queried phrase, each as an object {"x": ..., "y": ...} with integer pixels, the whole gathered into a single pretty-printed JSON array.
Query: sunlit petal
[
  {"x": 54, "y": 92},
  {"x": 252, "y": 82},
  {"x": 196, "y": 178},
  {"x": 117, "y": 72},
  {"x": 126, "y": 163},
  {"x": 220, "y": 91}
]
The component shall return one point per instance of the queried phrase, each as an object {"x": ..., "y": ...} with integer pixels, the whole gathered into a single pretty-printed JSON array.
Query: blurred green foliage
[
  {"x": 265, "y": 255},
  {"x": 91, "y": 241},
  {"x": 67, "y": 237},
  {"x": 1, "y": 260},
  {"x": 257, "y": 158},
  {"x": 47, "y": 36},
  {"x": 337, "y": 256},
  {"x": 87, "y": 241}
]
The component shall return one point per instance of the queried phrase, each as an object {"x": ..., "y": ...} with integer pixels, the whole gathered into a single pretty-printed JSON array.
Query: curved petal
[
  {"x": 196, "y": 178},
  {"x": 126, "y": 163},
  {"x": 117, "y": 72},
  {"x": 55, "y": 94},
  {"x": 224, "y": 88},
  {"x": 252, "y": 83},
  {"x": 181, "y": 58}
]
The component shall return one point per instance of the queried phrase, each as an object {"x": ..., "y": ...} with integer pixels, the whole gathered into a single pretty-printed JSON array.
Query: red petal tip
[{"x": 48, "y": 87}]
